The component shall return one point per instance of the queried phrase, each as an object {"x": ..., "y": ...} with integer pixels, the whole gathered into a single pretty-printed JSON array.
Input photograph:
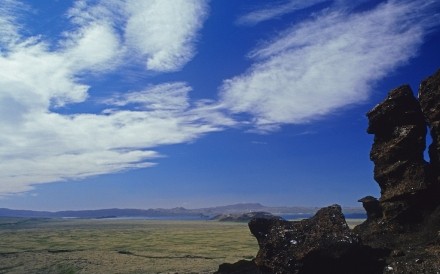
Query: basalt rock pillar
[{"x": 429, "y": 97}]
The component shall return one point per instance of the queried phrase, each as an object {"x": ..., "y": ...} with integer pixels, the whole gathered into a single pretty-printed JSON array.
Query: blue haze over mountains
[{"x": 177, "y": 213}]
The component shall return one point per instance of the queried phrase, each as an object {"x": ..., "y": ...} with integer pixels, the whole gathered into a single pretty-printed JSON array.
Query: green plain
[{"x": 121, "y": 246}]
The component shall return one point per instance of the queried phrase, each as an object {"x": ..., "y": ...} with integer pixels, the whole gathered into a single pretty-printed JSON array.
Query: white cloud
[
  {"x": 168, "y": 96},
  {"x": 40, "y": 145},
  {"x": 93, "y": 48},
  {"x": 308, "y": 71},
  {"x": 24, "y": 78},
  {"x": 84, "y": 12},
  {"x": 161, "y": 32},
  {"x": 46, "y": 147},
  {"x": 10, "y": 11},
  {"x": 332, "y": 61},
  {"x": 275, "y": 10},
  {"x": 164, "y": 31}
]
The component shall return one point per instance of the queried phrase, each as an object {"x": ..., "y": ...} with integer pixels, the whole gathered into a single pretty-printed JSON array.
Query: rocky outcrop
[
  {"x": 406, "y": 218},
  {"x": 402, "y": 230},
  {"x": 296, "y": 247},
  {"x": 372, "y": 207},
  {"x": 399, "y": 130},
  {"x": 241, "y": 267},
  {"x": 410, "y": 187},
  {"x": 429, "y": 96}
]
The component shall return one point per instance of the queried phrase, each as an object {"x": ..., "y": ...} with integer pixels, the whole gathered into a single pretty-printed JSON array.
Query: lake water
[
  {"x": 308, "y": 215},
  {"x": 296, "y": 216}
]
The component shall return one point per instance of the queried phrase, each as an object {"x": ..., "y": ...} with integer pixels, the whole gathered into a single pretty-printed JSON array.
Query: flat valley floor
[{"x": 121, "y": 246}]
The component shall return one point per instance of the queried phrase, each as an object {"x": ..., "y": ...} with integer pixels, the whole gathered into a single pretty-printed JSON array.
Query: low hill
[
  {"x": 203, "y": 213},
  {"x": 242, "y": 217}
]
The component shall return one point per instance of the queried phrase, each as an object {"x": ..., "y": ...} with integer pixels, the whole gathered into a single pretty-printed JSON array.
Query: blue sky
[{"x": 194, "y": 103}]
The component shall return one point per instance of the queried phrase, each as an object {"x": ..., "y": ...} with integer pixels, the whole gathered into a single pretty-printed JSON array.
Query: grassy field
[{"x": 121, "y": 246}]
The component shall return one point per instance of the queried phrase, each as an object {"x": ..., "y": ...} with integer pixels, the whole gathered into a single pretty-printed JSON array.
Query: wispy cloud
[
  {"x": 161, "y": 32},
  {"x": 275, "y": 10},
  {"x": 40, "y": 145},
  {"x": 164, "y": 31},
  {"x": 308, "y": 71},
  {"x": 168, "y": 96},
  {"x": 10, "y": 11},
  {"x": 321, "y": 65}
]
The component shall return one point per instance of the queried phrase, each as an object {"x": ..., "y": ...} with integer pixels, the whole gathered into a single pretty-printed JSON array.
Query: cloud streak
[
  {"x": 172, "y": 46},
  {"x": 275, "y": 10},
  {"x": 329, "y": 62},
  {"x": 161, "y": 32},
  {"x": 306, "y": 72},
  {"x": 41, "y": 145},
  {"x": 10, "y": 12}
]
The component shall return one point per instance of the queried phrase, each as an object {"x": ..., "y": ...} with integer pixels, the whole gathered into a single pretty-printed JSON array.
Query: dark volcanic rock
[
  {"x": 295, "y": 247},
  {"x": 410, "y": 202},
  {"x": 240, "y": 267},
  {"x": 429, "y": 96},
  {"x": 402, "y": 230},
  {"x": 372, "y": 207},
  {"x": 399, "y": 130}
]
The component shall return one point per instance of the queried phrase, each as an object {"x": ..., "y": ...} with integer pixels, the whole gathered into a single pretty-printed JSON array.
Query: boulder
[{"x": 321, "y": 244}]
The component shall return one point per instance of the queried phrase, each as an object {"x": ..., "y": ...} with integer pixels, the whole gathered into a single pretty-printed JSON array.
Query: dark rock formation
[
  {"x": 402, "y": 230},
  {"x": 429, "y": 96},
  {"x": 284, "y": 246},
  {"x": 295, "y": 247},
  {"x": 399, "y": 130},
  {"x": 372, "y": 207},
  {"x": 241, "y": 267},
  {"x": 410, "y": 203}
]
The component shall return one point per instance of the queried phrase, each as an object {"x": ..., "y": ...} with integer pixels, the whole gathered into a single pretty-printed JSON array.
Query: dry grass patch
[{"x": 121, "y": 246}]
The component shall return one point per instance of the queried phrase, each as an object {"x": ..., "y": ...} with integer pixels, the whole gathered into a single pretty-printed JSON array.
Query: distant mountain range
[{"x": 173, "y": 212}]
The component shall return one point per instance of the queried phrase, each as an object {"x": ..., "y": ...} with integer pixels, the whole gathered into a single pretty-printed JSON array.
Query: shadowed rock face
[
  {"x": 409, "y": 185},
  {"x": 402, "y": 230},
  {"x": 321, "y": 244},
  {"x": 429, "y": 96},
  {"x": 410, "y": 203},
  {"x": 399, "y": 130},
  {"x": 284, "y": 246},
  {"x": 372, "y": 207}
]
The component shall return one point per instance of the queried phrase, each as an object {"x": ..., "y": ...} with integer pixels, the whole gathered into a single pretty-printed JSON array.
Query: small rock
[{"x": 389, "y": 268}]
